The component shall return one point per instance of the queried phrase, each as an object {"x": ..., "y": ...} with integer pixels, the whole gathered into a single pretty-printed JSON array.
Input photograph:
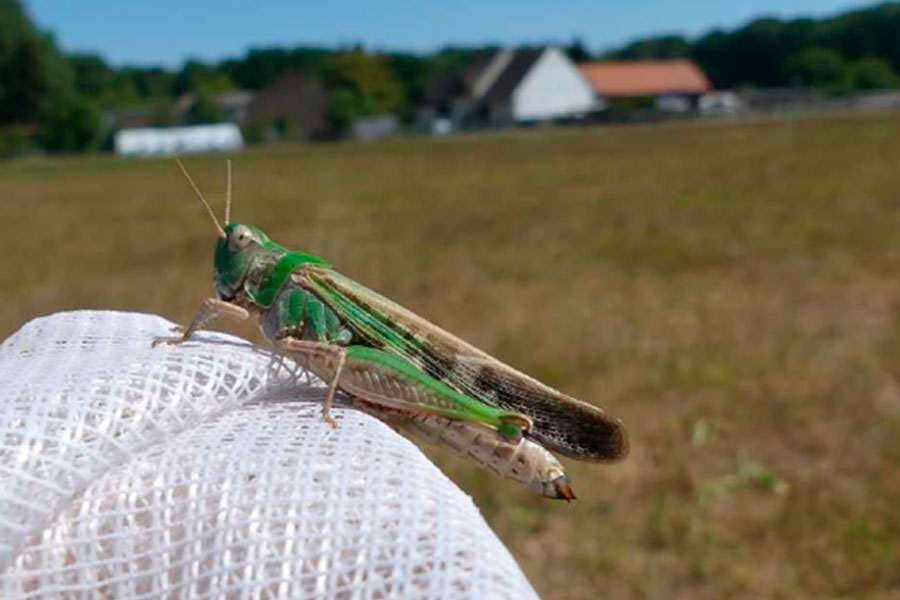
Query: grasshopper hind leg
[
  {"x": 389, "y": 381},
  {"x": 513, "y": 425},
  {"x": 524, "y": 462},
  {"x": 301, "y": 325}
]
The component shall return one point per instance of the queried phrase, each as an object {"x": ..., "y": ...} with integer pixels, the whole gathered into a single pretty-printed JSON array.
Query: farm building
[
  {"x": 671, "y": 85},
  {"x": 233, "y": 105},
  {"x": 368, "y": 129},
  {"x": 507, "y": 86},
  {"x": 294, "y": 107},
  {"x": 166, "y": 141}
]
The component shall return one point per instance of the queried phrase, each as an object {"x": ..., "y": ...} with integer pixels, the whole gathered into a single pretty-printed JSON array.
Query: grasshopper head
[
  {"x": 234, "y": 257},
  {"x": 238, "y": 245}
]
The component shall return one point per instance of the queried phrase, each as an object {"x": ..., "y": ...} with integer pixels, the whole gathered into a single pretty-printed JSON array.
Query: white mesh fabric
[{"x": 204, "y": 470}]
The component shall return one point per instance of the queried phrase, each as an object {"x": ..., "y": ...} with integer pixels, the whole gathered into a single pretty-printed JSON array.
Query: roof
[
  {"x": 450, "y": 83},
  {"x": 133, "y": 116},
  {"x": 444, "y": 86},
  {"x": 645, "y": 77},
  {"x": 294, "y": 96},
  {"x": 512, "y": 75},
  {"x": 235, "y": 98},
  {"x": 482, "y": 61},
  {"x": 226, "y": 100}
]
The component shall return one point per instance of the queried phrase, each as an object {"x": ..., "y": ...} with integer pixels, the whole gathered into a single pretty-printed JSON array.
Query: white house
[
  {"x": 552, "y": 87},
  {"x": 513, "y": 86},
  {"x": 178, "y": 140}
]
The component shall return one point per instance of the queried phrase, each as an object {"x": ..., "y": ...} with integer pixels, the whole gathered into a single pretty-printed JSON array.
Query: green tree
[
  {"x": 820, "y": 68},
  {"x": 360, "y": 84},
  {"x": 100, "y": 82},
  {"x": 93, "y": 77},
  {"x": 344, "y": 106},
  {"x": 34, "y": 76},
  {"x": 867, "y": 32},
  {"x": 151, "y": 83},
  {"x": 577, "y": 51},
  {"x": 757, "y": 53},
  {"x": 204, "y": 110},
  {"x": 263, "y": 66},
  {"x": 754, "y": 54},
  {"x": 874, "y": 74},
  {"x": 663, "y": 47},
  {"x": 37, "y": 87},
  {"x": 121, "y": 91},
  {"x": 197, "y": 76},
  {"x": 411, "y": 72},
  {"x": 451, "y": 57},
  {"x": 73, "y": 126}
]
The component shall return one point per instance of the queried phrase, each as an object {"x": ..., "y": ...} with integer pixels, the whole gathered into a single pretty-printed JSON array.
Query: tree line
[
  {"x": 55, "y": 101},
  {"x": 856, "y": 50}
]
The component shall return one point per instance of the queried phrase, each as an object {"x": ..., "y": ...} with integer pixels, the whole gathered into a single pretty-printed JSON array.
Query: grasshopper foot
[
  {"x": 180, "y": 329},
  {"x": 326, "y": 416},
  {"x": 169, "y": 341}
]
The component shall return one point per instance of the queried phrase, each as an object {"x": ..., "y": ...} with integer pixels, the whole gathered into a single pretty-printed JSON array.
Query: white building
[
  {"x": 167, "y": 141},
  {"x": 369, "y": 129},
  {"x": 541, "y": 85},
  {"x": 513, "y": 86}
]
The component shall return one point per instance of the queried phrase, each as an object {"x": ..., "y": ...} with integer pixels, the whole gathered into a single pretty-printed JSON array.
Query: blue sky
[{"x": 168, "y": 31}]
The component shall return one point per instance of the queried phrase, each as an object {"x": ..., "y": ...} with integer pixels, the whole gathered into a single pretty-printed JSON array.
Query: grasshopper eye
[{"x": 241, "y": 237}]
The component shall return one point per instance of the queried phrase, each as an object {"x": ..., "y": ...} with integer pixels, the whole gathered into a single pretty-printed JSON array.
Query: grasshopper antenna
[
  {"x": 228, "y": 193},
  {"x": 202, "y": 199}
]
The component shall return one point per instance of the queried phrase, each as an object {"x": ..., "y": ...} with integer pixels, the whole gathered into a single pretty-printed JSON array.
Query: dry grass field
[{"x": 731, "y": 291}]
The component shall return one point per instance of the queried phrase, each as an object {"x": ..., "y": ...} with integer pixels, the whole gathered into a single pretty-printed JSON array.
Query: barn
[{"x": 669, "y": 85}]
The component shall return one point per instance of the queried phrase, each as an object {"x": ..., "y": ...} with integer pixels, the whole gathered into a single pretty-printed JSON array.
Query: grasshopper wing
[{"x": 561, "y": 423}]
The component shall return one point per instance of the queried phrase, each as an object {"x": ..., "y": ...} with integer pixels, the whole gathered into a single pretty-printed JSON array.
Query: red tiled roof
[{"x": 645, "y": 77}]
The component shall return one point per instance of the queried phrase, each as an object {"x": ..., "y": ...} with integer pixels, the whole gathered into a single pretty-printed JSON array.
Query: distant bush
[
  {"x": 74, "y": 125},
  {"x": 204, "y": 110},
  {"x": 820, "y": 68},
  {"x": 254, "y": 133},
  {"x": 875, "y": 74},
  {"x": 17, "y": 141}
]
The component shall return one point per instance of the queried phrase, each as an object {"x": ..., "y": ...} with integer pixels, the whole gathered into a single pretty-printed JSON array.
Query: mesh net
[{"x": 205, "y": 470}]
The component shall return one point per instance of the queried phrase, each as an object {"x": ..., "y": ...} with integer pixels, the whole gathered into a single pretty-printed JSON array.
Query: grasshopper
[{"x": 398, "y": 366}]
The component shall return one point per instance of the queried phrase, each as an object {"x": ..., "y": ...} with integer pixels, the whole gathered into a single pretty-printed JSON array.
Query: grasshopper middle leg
[{"x": 332, "y": 358}]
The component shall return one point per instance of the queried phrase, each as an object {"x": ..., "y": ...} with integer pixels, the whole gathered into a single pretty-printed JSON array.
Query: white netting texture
[{"x": 205, "y": 470}]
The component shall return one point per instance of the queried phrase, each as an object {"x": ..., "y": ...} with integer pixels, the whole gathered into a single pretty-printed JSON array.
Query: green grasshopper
[{"x": 399, "y": 367}]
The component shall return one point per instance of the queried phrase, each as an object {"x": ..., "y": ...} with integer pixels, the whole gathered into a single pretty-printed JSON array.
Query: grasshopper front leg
[{"x": 211, "y": 309}]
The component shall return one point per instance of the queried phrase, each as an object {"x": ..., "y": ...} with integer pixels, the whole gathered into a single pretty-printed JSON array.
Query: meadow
[{"x": 730, "y": 290}]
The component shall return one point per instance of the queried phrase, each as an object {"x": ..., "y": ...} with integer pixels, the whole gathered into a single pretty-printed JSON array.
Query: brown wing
[{"x": 561, "y": 423}]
